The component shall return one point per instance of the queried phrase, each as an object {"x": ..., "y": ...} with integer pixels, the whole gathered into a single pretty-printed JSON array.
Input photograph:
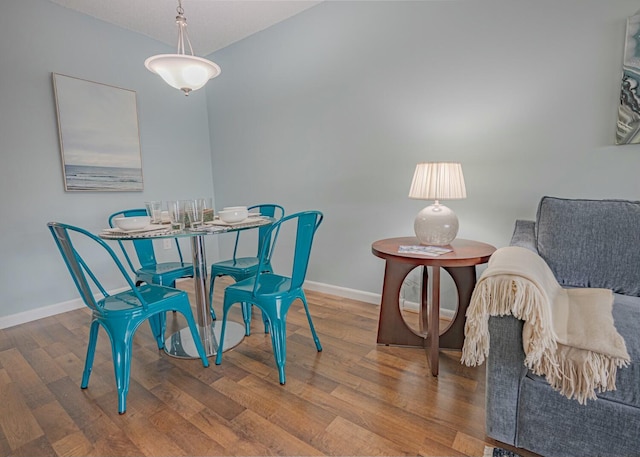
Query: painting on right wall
[{"x": 628, "y": 128}]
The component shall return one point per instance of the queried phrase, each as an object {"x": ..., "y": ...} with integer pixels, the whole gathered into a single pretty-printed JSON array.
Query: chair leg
[
  {"x": 158, "y": 324},
  {"x": 196, "y": 339},
  {"x": 246, "y": 315},
  {"x": 265, "y": 321},
  {"x": 279, "y": 343},
  {"x": 225, "y": 311},
  {"x": 313, "y": 330},
  {"x": 121, "y": 341},
  {"x": 212, "y": 280},
  {"x": 91, "y": 350},
  {"x": 164, "y": 325}
]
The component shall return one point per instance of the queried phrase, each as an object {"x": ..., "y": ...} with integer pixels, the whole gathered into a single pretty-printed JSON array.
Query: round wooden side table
[{"x": 460, "y": 263}]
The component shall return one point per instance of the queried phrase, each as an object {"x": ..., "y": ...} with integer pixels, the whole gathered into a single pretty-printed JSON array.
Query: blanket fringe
[
  {"x": 581, "y": 380},
  {"x": 519, "y": 297}
]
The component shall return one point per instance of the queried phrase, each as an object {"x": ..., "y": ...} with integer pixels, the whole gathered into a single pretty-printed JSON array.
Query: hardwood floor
[{"x": 353, "y": 398}]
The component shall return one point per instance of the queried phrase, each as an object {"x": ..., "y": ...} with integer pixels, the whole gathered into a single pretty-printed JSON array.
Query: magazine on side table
[{"x": 431, "y": 251}]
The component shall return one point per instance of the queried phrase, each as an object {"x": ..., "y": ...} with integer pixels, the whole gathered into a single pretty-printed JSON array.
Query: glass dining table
[{"x": 180, "y": 344}]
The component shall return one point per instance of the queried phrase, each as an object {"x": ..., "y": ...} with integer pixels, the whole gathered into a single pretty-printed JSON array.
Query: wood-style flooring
[{"x": 353, "y": 398}]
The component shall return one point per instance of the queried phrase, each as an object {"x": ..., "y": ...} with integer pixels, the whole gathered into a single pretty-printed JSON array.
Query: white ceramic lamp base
[{"x": 436, "y": 225}]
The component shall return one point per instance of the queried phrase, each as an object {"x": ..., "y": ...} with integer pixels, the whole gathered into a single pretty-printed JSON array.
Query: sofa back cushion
[{"x": 591, "y": 243}]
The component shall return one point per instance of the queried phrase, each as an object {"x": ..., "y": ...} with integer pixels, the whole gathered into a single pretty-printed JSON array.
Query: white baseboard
[
  {"x": 46, "y": 311},
  {"x": 39, "y": 313},
  {"x": 345, "y": 292},
  {"x": 367, "y": 297},
  {"x": 414, "y": 307}
]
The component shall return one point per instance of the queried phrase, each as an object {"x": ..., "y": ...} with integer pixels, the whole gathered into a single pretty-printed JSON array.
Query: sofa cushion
[
  {"x": 626, "y": 316},
  {"x": 591, "y": 243}
]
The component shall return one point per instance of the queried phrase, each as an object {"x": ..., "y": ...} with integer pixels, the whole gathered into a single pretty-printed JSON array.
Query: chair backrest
[
  {"x": 143, "y": 246},
  {"x": 265, "y": 209},
  {"x": 307, "y": 222},
  {"x": 78, "y": 267}
]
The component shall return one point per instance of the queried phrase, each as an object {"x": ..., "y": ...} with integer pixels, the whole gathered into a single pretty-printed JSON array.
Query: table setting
[
  {"x": 193, "y": 219},
  {"x": 137, "y": 227},
  {"x": 183, "y": 217}
]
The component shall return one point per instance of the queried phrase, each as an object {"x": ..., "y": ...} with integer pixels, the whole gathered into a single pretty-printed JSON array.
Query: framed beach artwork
[
  {"x": 628, "y": 126},
  {"x": 99, "y": 136}
]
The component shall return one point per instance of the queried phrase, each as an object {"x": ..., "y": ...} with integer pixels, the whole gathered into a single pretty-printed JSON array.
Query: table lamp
[{"x": 436, "y": 224}]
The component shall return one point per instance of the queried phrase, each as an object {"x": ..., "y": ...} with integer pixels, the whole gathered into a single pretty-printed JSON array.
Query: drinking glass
[
  {"x": 207, "y": 209},
  {"x": 177, "y": 213},
  {"x": 154, "y": 209},
  {"x": 194, "y": 212}
]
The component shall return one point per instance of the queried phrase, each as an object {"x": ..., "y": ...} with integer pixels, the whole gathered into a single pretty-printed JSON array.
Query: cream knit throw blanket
[{"x": 568, "y": 336}]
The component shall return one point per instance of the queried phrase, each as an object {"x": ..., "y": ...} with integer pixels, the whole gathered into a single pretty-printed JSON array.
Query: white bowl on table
[
  {"x": 132, "y": 223},
  {"x": 233, "y": 215}
]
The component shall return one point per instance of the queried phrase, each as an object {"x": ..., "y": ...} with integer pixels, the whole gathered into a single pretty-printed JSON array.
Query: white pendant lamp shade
[{"x": 182, "y": 71}]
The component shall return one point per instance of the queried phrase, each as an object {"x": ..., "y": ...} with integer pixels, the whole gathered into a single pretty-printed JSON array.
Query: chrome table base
[{"x": 180, "y": 344}]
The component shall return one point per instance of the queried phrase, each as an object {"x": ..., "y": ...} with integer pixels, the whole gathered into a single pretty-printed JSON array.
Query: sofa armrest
[
  {"x": 505, "y": 362},
  {"x": 524, "y": 235},
  {"x": 505, "y": 371}
]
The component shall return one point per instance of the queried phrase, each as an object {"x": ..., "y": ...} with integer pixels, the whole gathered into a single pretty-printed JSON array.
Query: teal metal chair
[
  {"x": 119, "y": 314},
  {"x": 273, "y": 293},
  {"x": 240, "y": 268},
  {"x": 150, "y": 271}
]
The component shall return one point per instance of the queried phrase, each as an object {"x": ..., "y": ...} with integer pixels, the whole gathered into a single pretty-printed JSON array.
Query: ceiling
[{"x": 212, "y": 24}]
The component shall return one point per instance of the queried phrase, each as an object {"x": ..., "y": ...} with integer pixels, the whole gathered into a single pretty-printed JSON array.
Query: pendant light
[{"x": 183, "y": 71}]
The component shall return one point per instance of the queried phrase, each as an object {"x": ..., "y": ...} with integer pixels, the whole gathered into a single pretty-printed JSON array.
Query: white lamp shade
[
  {"x": 438, "y": 181},
  {"x": 183, "y": 71}
]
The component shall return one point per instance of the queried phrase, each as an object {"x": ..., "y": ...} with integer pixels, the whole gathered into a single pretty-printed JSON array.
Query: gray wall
[
  {"x": 333, "y": 108},
  {"x": 36, "y": 39},
  {"x": 330, "y": 109}
]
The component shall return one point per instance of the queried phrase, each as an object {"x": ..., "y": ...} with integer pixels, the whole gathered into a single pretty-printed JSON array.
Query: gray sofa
[{"x": 586, "y": 243}]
